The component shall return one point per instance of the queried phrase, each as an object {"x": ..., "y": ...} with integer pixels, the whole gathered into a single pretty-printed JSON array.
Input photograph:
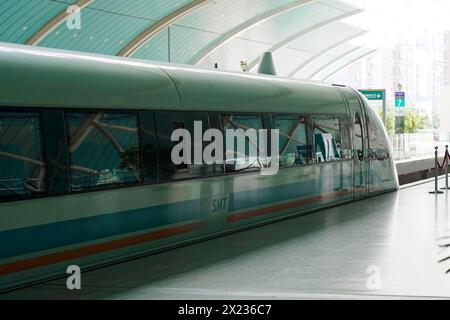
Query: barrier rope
[{"x": 447, "y": 155}]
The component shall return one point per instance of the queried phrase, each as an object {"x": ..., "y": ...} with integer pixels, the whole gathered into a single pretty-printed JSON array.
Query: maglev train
[{"x": 87, "y": 176}]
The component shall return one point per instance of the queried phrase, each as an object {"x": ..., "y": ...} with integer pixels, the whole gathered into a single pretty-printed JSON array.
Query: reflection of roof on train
[
  {"x": 58, "y": 78},
  {"x": 309, "y": 39}
]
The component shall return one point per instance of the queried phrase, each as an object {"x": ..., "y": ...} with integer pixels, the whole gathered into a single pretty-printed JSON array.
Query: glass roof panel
[
  {"x": 219, "y": 16},
  {"x": 109, "y": 25},
  {"x": 291, "y": 22},
  {"x": 337, "y": 53},
  {"x": 341, "y": 50},
  {"x": 101, "y": 32},
  {"x": 148, "y": 9},
  {"x": 272, "y": 31},
  {"x": 185, "y": 42},
  {"x": 21, "y": 19},
  {"x": 341, "y": 63},
  {"x": 324, "y": 37},
  {"x": 330, "y": 44},
  {"x": 287, "y": 58},
  {"x": 157, "y": 49},
  {"x": 230, "y": 56},
  {"x": 344, "y": 5},
  {"x": 314, "y": 67}
]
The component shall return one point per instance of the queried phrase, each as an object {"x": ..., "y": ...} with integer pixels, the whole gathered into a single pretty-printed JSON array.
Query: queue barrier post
[
  {"x": 436, "y": 170},
  {"x": 447, "y": 155}
]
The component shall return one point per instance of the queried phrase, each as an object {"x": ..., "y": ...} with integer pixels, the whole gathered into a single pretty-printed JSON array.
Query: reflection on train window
[
  {"x": 22, "y": 168},
  {"x": 246, "y": 128},
  {"x": 378, "y": 139},
  {"x": 149, "y": 150},
  {"x": 346, "y": 145},
  {"x": 169, "y": 121},
  {"x": 294, "y": 147},
  {"x": 327, "y": 137},
  {"x": 103, "y": 149}
]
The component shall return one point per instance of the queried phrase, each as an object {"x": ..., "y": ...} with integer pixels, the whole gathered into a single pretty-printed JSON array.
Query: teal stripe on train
[
  {"x": 60, "y": 234},
  {"x": 266, "y": 196}
]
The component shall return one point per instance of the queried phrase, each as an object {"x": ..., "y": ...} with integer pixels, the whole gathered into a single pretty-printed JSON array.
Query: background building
[{"x": 418, "y": 65}]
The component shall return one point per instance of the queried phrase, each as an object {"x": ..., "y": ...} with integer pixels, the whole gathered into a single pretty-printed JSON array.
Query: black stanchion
[
  {"x": 436, "y": 166},
  {"x": 446, "y": 169}
]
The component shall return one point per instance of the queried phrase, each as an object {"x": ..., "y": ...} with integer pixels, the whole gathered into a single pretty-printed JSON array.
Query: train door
[
  {"x": 360, "y": 145},
  {"x": 361, "y": 164}
]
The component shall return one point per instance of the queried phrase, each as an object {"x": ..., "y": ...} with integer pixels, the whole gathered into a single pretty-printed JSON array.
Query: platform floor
[{"x": 325, "y": 255}]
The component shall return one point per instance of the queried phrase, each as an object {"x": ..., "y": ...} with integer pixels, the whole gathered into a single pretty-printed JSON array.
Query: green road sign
[
  {"x": 373, "y": 94},
  {"x": 400, "y": 98}
]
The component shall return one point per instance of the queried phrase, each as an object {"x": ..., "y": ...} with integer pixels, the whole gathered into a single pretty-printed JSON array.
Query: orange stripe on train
[
  {"x": 94, "y": 249},
  {"x": 284, "y": 206}
]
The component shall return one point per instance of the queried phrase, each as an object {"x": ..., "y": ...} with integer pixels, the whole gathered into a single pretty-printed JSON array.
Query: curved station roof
[{"x": 308, "y": 39}]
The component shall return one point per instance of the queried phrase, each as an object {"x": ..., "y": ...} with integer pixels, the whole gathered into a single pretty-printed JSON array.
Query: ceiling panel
[
  {"x": 217, "y": 20},
  {"x": 223, "y": 31},
  {"x": 287, "y": 58},
  {"x": 21, "y": 19},
  {"x": 341, "y": 63},
  {"x": 229, "y": 57}
]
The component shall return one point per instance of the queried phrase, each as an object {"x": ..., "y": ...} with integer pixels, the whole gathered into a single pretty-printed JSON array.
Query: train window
[
  {"x": 103, "y": 149},
  {"x": 22, "y": 167},
  {"x": 359, "y": 137},
  {"x": 149, "y": 151},
  {"x": 240, "y": 160},
  {"x": 55, "y": 142},
  {"x": 192, "y": 165},
  {"x": 328, "y": 138},
  {"x": 346, "y": 146},
  {"x": 378, "y": 141},
  {"x": 294, "y": 147}
]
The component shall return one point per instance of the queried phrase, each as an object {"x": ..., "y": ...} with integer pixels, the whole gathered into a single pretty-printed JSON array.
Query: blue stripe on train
[
  {"x": 60, "y": 234},
  {"x": 266, "y": 196}
]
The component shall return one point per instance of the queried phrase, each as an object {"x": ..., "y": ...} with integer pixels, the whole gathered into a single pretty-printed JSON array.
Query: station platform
[{"x": 397, "y": 238}]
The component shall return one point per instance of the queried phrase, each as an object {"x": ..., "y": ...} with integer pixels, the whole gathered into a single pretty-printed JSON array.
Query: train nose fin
[{"x": 266, "y": 65}]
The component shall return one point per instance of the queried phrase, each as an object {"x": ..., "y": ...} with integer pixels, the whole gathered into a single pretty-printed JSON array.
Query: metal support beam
[
  {"x": 304, "y": 32},
  {"x": 229, "y": 35},
  {"x": 140, "y": 40},
  {"x": 324, "y": 52},
  {"x": 337, "y": 59},
  {"x": 42, "y": 33},
  {"x": 350, "y": 63}
]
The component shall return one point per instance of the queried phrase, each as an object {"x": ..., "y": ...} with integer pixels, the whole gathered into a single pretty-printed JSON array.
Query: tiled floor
[{"x": 325, "y": 255}]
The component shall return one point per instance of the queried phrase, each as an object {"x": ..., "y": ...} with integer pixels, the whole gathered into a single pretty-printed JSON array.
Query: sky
[{"x": 390, "y": 20}]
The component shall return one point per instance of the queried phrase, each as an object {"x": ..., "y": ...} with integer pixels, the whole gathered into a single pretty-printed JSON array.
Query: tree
[
  {"x": 414, "y": 121},
  {"x": 390, "y": 123}
]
